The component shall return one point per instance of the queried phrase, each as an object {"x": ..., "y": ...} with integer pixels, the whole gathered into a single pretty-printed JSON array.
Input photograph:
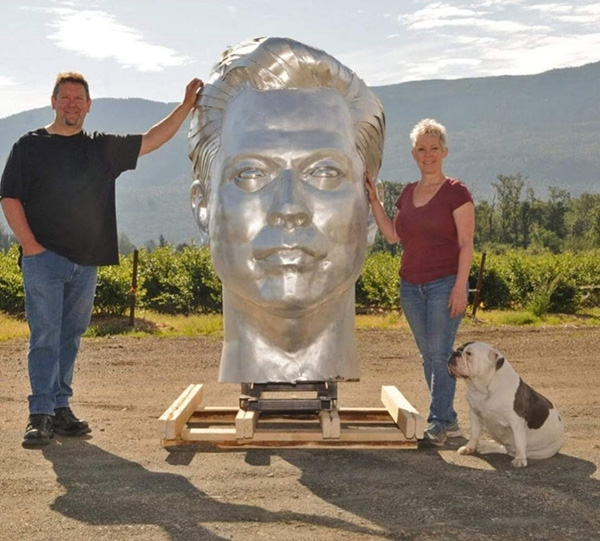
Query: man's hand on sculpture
[{"x": 193, "y": 88}]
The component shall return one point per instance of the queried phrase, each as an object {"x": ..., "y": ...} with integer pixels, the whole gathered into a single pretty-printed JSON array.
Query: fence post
[
  {"x": 476, "y": 300},
  {"x": 133, "y": 288}
]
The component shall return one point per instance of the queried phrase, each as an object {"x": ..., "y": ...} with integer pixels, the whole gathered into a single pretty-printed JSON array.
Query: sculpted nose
[{"x": 289, "y": 209}]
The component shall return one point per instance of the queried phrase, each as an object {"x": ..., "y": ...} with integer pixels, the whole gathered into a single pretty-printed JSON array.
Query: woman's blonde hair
[{"x": 429, "y": 125}]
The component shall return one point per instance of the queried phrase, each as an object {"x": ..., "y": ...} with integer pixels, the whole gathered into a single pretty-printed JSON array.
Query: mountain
[{"x": 545, "y": 126}]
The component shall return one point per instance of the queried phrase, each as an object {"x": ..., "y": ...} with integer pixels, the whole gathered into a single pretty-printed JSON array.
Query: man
[
  {"x": 280, "y": 141},
  {"x": 58, "y": 196}
]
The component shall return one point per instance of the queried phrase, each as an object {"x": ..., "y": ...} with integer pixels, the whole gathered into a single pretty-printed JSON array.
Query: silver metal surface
[{"x": 280, "y": 140}]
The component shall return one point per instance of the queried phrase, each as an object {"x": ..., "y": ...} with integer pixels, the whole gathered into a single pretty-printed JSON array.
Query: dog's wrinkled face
[{"x": 474, "y": 359}]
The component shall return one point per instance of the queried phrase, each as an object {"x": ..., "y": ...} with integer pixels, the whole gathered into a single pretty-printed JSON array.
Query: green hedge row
[
  {"x": 560, "y": 283},
  {"x": 184, "y": 282}
]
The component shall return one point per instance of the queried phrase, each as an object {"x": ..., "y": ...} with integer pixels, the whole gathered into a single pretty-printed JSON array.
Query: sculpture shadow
[
  {"x": 105, "y": 489},
  {"x": 410, "y": 494}
]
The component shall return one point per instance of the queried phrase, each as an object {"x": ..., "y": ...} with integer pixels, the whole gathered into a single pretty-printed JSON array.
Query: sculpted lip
[{"x": 288, "y": 256}]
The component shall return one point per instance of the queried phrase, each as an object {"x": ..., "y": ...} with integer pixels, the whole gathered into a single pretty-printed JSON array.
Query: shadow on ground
[
  {"x": 420, "y": 495},
  {"x": 104, "y": 489}
]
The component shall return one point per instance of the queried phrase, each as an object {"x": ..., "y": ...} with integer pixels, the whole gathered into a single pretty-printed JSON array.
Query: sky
[{"x": 151, "y": 48}]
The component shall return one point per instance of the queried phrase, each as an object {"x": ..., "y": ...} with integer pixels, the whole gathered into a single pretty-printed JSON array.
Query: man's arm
[
  {"x": 17, "y": 221},
  {"x": 160, "y": 133}
]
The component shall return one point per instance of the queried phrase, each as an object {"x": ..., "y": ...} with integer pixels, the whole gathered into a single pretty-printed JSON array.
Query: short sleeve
[
  {"x": 16, "y": 177},
  {"x": 459, "y": 194},
  {"x": 123, "y": 152}
]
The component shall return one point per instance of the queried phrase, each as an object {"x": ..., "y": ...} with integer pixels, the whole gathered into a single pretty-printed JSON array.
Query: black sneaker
[
  {"x": 66, "y": 424},
  {"x": 39, "y": 431}
]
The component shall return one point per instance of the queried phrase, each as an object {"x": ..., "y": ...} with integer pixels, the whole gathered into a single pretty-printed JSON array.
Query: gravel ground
[{"x": 120, "y": 484}]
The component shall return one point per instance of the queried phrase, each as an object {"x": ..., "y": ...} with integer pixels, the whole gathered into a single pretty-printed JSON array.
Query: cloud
[
  {"x": 6, "y": 82},
  {"x": 97, "y": 34},
  {"x": 439, "y": 15},
  {"x": 545, "y": 53}
]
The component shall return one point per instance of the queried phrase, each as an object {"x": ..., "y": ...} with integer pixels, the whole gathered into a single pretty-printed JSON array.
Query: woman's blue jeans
[
  {"x": 59, "y": 296},
  {"x": 425, "y": 307}
]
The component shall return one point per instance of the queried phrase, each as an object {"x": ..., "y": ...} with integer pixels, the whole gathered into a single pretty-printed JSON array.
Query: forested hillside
[{"x": 544, "y": 127}]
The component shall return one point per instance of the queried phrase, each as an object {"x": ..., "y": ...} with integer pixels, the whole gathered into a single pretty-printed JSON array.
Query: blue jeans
[
  {"x": 425, "y": 307},
  {"x": 59, "y": 297}
]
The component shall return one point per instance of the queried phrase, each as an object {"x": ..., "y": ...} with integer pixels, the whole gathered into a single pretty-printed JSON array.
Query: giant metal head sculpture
[{"x": 280, "y": 139}]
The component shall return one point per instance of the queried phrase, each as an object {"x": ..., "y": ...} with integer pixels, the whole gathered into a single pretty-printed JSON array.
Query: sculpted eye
[
  {"x": 251, "y": 179},
  {"x": 324, "y": 177}
]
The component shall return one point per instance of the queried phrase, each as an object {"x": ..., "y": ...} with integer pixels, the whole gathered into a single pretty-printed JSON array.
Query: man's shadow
[
  {"x": 105, "y": 489},
  {"x": 413, "y": 493}
]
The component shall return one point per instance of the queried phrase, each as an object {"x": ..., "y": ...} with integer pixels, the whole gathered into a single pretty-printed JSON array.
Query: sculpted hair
[
  {"x": 70, "y": 77},
  {"x": 274, "y": 64},
  {"x": 429, "y": 125}
]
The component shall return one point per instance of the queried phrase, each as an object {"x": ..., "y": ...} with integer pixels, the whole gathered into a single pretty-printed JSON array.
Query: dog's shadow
[{"x": 413, "y": 493}]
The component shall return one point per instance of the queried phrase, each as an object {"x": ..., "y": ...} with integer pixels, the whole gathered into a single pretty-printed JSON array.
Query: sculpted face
[{"x": 288, "y": 212}]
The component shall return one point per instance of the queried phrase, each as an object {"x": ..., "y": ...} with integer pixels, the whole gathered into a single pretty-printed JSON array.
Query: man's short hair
[
  {"x": 280, "y": 64},
  {"x": 70, "y": 77}
]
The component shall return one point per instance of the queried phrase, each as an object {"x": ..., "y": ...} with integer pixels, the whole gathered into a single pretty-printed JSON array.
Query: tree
[
  {"x": 150, "y": 245},
  {"x": 558, "y": 205},
  {"x": 508, "y": 191},
  {"x": 7, "y": 239},
  {"x": 583, "y": 222},
  {"x": 484, "y": 224},
  {"x": 126, "y": 247}
]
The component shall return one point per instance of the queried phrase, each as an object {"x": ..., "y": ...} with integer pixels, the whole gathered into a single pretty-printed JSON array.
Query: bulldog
[{"x": 524, "y": 423}]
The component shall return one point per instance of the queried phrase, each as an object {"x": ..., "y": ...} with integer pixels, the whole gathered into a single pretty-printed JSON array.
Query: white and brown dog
[{"x": 523, "y": 422}]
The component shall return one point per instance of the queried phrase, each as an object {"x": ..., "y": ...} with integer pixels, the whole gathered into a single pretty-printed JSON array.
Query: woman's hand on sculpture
[{"x": 370, "y": 187}]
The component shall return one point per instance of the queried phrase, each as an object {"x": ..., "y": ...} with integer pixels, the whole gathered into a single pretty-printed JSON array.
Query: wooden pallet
[{"x": 397, "y": 425}]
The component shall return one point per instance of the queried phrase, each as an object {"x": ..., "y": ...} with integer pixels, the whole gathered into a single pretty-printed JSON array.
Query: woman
[{"x": 435, "y": 224}]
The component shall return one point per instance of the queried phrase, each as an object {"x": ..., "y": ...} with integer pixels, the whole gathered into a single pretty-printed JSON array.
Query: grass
[
  {"x": 12, "y": 327},
  {"x": 154, "y": 324},
  {"x": 586, "y": 317},
  {"x": 151, "y": 323}
]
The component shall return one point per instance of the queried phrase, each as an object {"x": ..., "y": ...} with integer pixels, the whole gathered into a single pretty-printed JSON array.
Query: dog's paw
[
  {"x": 519, "y": 462},
  {"x": 465, "y": 450}
]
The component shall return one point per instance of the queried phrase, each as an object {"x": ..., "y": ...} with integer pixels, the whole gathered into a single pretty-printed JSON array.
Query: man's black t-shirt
[{"x": 67, "y": 187}]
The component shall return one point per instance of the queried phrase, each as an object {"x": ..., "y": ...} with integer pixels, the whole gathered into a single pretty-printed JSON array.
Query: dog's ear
[
  {"x": 499, "y": 362},
  {"x": 461, "y": 348},
  {"x": 497, "y": 357}
]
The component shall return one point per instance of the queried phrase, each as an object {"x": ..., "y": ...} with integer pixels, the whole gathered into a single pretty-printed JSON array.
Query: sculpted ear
[{"x": 199, "y": 209}]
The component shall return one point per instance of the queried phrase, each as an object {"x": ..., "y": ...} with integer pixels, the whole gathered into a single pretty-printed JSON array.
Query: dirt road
[{"x": 120, "y": 484}]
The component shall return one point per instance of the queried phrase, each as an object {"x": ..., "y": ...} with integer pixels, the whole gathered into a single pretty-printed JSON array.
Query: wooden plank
[
  {"x": 323, "y": 444},
  {"x": 164, "y": 419},
  {"x": 330, "y": 424},
  {"x": 335, "y": 424},
  {"x": 400, "y": 409},
  {"x": 245, "y": 422},
  {"x": 239, "y": 424},
  {"x": 209, "y": 434},
  {"x": 388, "y": 427},
  {"x": 183, "y": 412},
  {"x": 325, "y": 420}
]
